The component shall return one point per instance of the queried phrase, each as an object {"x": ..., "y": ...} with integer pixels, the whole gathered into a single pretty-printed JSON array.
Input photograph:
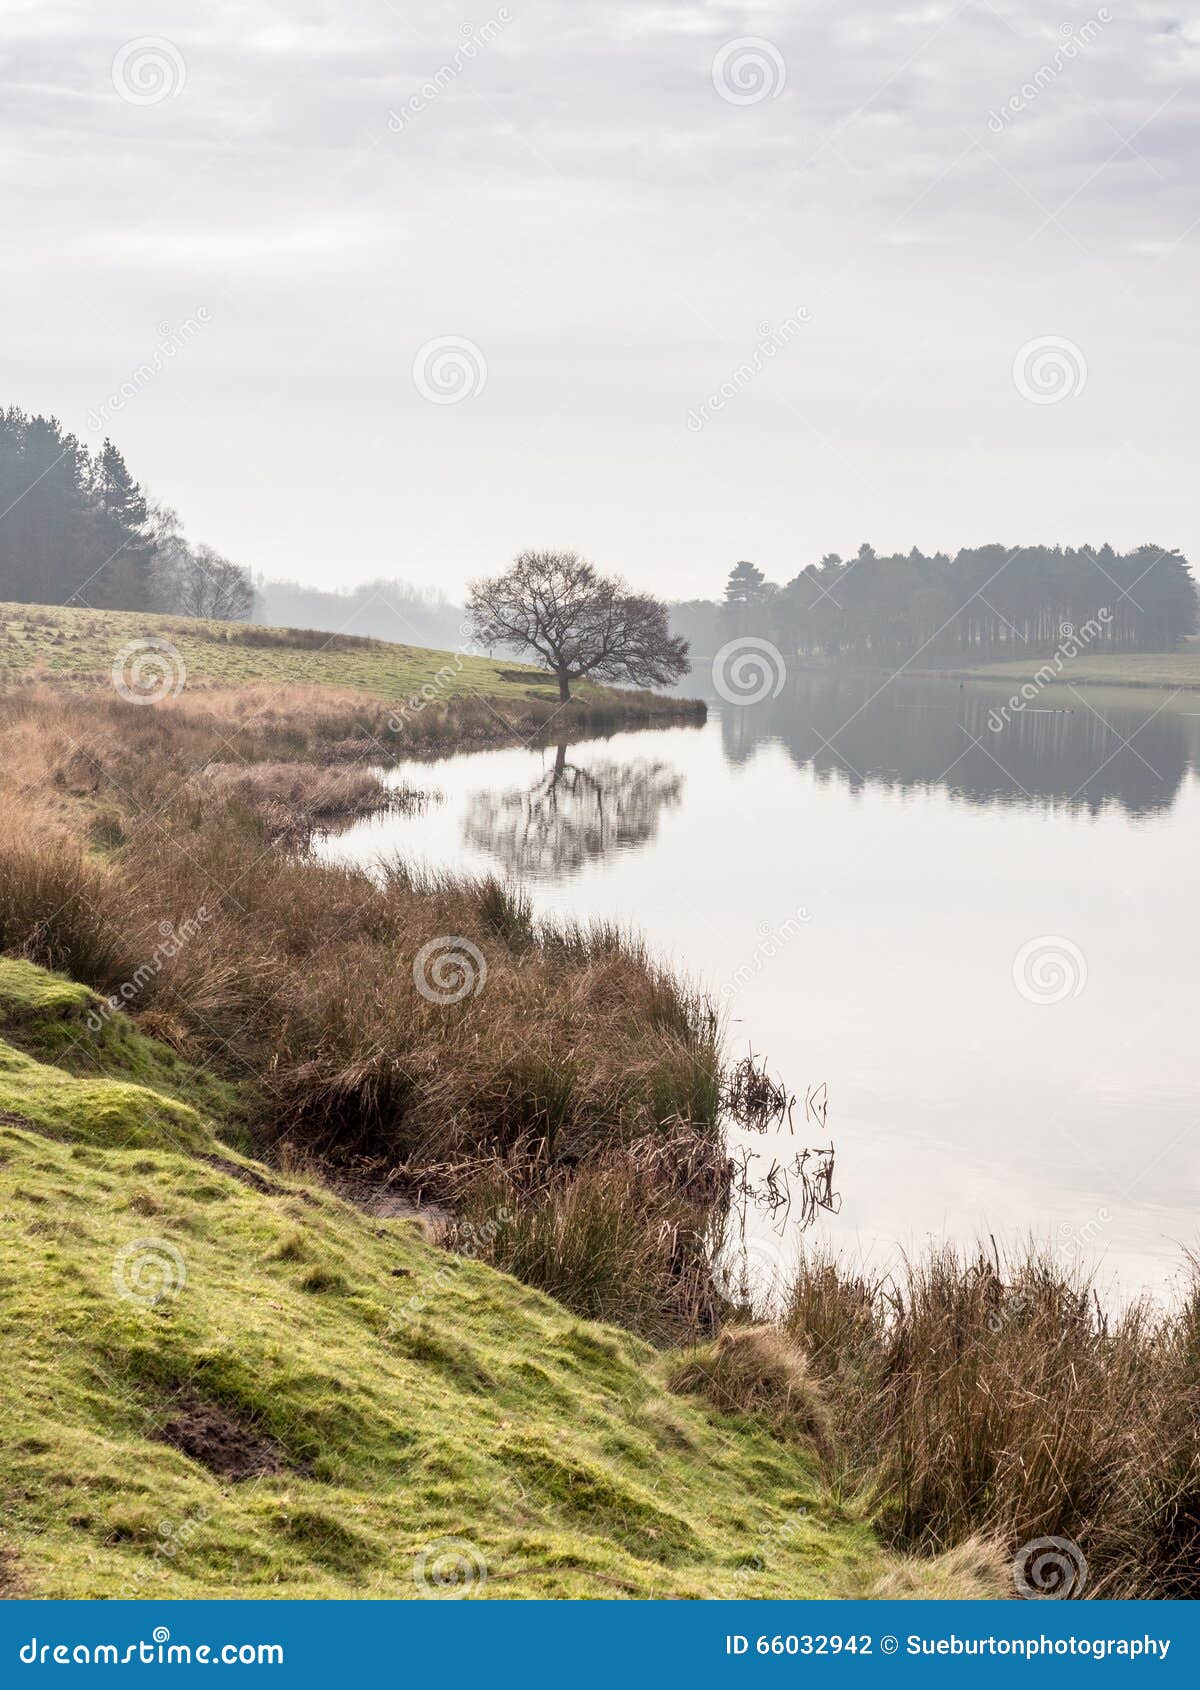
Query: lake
[{"x": 977, "y": 930}]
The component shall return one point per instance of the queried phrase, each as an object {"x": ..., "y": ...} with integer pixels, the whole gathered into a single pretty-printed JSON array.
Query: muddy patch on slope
[
  {"x": 209, "y": 1433},
  {"x": 245, "y": 1176}
]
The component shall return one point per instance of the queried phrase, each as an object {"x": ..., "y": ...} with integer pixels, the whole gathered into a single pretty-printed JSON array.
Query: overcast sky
[{"x": 440, "y": 283}]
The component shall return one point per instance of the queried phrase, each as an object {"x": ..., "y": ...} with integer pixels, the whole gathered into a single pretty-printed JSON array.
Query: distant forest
[
  {"x": 76, "y": 527},
  {"x": 986, "y": 602},
  {"x": 72, "y": 519}
]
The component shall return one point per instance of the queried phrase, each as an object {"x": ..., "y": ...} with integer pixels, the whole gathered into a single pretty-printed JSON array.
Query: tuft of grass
[
  {"x": 507, "y": 911},
  {"x": 758, "y": 1371},
  {"x": 971, "y": 1571}
]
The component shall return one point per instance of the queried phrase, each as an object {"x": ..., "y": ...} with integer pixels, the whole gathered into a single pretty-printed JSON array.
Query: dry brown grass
[
  {"x": 977, "y": 1570},
  {"x": 68, "y": 752},
  {"x": 759, "y": 1371},
  {"x": 296, "y": 800},
  {"x": 623, "y": 1236},
  {"x": 995, "y": 1395}
]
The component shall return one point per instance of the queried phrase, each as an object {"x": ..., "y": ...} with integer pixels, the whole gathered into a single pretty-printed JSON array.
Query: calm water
[{"x": 984, "y": 943}]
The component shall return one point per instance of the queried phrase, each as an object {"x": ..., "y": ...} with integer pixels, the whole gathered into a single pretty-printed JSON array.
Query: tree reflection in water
[{"x": 571, "y": 815}]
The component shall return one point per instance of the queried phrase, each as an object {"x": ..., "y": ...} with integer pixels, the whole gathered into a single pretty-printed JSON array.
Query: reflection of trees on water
[
  {"x": 908, "y": 733},
  {"x": 571, "y": 814}
]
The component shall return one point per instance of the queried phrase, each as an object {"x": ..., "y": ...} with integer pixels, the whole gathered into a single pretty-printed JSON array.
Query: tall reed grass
[
  {"x": 625, "y": 1235},
  {"x": 994, "y": 1393}
]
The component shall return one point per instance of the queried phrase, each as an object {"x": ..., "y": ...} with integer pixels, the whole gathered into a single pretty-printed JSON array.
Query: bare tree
[
  {"x": 580, "y": 623},
  {"x": 207, "y": 584}
]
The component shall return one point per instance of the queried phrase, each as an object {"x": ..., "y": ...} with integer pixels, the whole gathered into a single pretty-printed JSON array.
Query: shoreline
[{"x": 1015, "y": 672}]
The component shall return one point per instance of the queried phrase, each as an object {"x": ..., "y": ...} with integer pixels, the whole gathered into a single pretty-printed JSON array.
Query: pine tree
[
  {"x": 744, "y": 585},
  {"x": 126, "y": 572}
]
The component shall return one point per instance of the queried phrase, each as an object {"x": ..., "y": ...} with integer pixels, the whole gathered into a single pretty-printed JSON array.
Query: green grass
[
  {"x": 60, "y": 1021},
  {"x": 64, "y": 644},
  {"x": 405, "y": 1396}
]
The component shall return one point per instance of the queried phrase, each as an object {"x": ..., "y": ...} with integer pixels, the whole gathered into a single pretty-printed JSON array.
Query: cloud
[{"x": 570, "y": 190}]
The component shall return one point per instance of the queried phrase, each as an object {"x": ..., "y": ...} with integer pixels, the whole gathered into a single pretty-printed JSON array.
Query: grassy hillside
[
  {"x": 55, "y": 643},
  {"x": 224, "y": 1382}
]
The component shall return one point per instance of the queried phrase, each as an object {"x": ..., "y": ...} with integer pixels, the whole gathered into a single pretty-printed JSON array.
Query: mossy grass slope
[
  {"x": 60, "y": 1021},
  {"x": 167, "y": 1302}
]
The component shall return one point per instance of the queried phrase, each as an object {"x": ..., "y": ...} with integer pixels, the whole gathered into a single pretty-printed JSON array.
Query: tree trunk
[{"x": 564, "y": 687}]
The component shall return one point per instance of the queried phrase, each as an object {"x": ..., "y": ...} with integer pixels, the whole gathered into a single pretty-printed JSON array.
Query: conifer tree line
[
  {"x": 76, "y": 528},
  {"x": 986, "y": 602}
]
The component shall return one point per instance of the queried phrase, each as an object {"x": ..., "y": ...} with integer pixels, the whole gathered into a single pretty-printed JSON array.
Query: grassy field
[
  {"x": 59, "y": 644},
  {"x": 223, "y": 1381},
  {"x": 1162, "y": 670}
]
